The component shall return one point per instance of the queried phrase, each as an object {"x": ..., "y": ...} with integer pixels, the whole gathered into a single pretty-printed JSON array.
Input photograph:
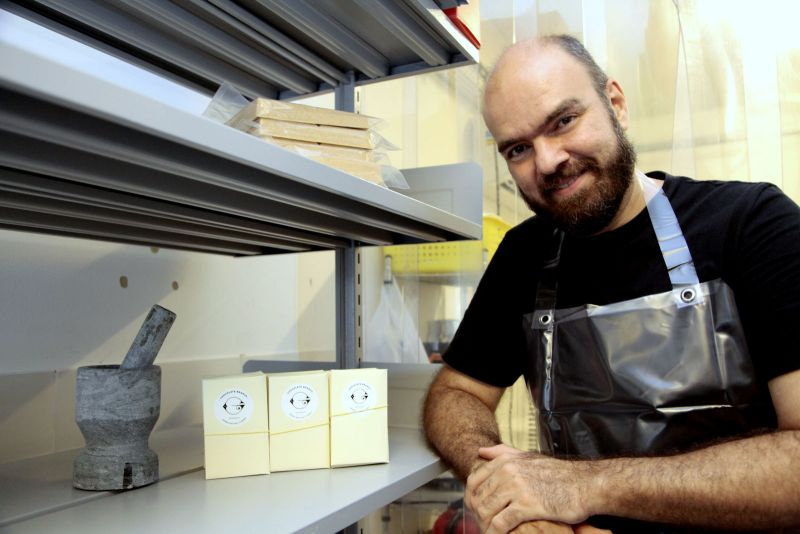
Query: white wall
[{"x": 63, "y": 305}]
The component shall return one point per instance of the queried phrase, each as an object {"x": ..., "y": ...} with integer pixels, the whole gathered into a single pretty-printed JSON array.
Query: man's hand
[
  {"x": 548, "y": 527},
  {"x": 542, "y": 527},
  {"x": 513, "y": 487}
]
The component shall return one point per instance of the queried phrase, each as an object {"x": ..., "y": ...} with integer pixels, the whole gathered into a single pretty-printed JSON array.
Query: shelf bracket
[
  {"x": 346, "y": 307},
  {"x": 344, "y": 94}
]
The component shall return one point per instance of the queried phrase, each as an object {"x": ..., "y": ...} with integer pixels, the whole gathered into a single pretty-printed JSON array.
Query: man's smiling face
[{"x": 562, "y": 141}]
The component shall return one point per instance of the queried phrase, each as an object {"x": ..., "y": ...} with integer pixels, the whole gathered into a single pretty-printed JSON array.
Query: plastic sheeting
[{"x": 391, "y": 333}]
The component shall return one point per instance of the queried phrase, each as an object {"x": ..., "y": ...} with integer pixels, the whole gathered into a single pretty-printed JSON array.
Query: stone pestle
[{"x": 148, "y": 340}]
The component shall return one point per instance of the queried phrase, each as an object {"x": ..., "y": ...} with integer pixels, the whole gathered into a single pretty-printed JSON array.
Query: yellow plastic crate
[
  {"x": 451, "y": 256},
  {"x": 494, "y": 229}
]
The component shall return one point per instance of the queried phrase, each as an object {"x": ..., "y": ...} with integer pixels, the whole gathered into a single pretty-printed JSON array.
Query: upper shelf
[
  {"x": 269, "y": 48},
  {"x": 86, "y": 154}
]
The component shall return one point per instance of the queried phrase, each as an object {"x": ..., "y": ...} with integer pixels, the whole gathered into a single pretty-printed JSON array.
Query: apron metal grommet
[
  {"x": 687, "y": 295},
  {"x": 545, "y": 319}
]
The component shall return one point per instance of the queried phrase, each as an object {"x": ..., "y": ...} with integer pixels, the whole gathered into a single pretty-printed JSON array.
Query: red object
[
  {"x": 440, "y": 526},
  {"x": 456, "y": 520},
  {"x": 452, "y": 14}
]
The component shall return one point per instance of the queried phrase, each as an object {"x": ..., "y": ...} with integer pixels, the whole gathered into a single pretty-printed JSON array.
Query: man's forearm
[
  {"x": 457, "y": 424},
  {"x": 749, "y": 483},
  {"x": 459, "y": 420},
  {"x": 752, "y": 483}
]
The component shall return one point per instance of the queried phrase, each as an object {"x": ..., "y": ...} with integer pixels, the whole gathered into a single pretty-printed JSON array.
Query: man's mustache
[{"x": 567, "y": 170}]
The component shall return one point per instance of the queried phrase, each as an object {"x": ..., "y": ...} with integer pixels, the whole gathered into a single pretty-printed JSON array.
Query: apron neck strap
[
  {"x": 674, "y": 249},
  {"x": 548, "y": 280}
]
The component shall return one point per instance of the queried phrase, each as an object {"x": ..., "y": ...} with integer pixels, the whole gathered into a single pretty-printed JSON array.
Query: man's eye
[
  {"x": 565, "y": 121},
  {"x": 515, "y": 152}
]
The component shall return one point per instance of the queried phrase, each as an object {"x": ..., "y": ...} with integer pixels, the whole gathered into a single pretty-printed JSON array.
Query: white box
[
  {"x": 359, "y": 422},
  {"x": 236, "y": 425},
  {"x": 299, "y": 420}
]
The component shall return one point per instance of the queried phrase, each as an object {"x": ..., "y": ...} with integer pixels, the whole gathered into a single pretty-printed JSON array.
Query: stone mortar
[{"x": 116, "y": 409}]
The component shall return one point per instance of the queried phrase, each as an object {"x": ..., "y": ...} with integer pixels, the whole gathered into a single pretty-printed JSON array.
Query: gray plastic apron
[{"x": 658, "y": 374}]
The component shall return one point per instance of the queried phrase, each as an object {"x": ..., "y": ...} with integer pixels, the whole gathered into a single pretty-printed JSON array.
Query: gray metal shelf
[
  {"x": 270, "y": 48},
  {"x": 85, "y": 156}
]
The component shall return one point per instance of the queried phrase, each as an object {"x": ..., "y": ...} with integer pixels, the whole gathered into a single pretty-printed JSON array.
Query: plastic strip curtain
[{"x": 713, "y": 86}]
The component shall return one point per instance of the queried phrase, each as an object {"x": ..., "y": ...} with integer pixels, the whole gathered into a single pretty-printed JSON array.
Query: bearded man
[{"x": 653, "y": 317}]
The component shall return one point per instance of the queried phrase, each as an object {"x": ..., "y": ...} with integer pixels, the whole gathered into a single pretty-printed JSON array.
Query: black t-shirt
[{"x": 746, "y": 234}]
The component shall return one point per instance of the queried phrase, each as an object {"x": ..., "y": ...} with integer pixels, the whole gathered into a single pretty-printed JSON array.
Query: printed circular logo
[
  {"x": 359, "y": 396},
  {"x": 233, "y": 407},
  {"x": 300, "y": 401}
]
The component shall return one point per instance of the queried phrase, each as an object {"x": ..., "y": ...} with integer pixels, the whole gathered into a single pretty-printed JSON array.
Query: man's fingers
[
  {"x": 542, "y": 527},
  {"x": 490, "y": 453},
  {"x": 488, "y": 490},
  {"x": 476, "y": 480},
  {"x": 487, "y": 508},
  {"x": 586, "y": 528},
  {"x": 493, "y": 462},
  {"x": 511, "y": 517},
  {"x": 491, "y": 498}
]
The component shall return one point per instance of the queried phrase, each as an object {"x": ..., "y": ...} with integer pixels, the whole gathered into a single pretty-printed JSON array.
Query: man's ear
[{"x": 618, "y": 102}]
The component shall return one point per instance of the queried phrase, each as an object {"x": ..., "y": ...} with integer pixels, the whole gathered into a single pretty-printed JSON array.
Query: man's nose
[{"x": 549, "y": 153}]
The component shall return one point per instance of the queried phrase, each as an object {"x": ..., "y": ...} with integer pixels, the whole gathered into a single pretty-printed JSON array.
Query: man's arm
[
  {"x": 743, "y": 484},
  {"x": 459, "y": 418}
]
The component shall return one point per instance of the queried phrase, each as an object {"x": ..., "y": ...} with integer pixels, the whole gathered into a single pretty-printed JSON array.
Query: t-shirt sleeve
[
  {"x": 767, "y": 247},
  {"x": 488, "y": 342}
]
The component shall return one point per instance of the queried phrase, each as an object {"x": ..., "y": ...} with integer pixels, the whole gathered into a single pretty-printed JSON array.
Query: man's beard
[{"x": 589, "y": 211}]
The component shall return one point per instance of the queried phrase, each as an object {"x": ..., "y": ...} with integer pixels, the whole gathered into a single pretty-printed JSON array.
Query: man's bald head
[
  {"x": 559, "y": 122},
  {"x": 526, "y": 51}
]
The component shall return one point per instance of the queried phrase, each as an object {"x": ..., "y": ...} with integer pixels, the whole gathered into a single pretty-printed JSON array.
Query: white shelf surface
[
  {"x": 43, "y": 484},
  {"x": 321, "y": 501}
]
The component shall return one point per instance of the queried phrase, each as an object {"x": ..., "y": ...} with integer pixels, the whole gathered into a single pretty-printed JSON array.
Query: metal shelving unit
[
  {"x": 84, "y": 154},
  {"x": 81, "y": 155},
  {"x": 269, "y": 48}
]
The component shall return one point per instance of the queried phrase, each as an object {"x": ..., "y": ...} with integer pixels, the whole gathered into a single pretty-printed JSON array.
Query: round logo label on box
[
  {"x": 300, "y": 401},
  {"x": 233, "y": 407},
  {"x": 359, "y": 396}
]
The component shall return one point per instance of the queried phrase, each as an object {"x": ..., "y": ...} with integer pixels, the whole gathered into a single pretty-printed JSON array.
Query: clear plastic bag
[
  {"x": 393, "y": 178},
  {"x": 391, "y": 333},
  {"x": 371, "y": 171},
  {"x": 227, "y": 102}
]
